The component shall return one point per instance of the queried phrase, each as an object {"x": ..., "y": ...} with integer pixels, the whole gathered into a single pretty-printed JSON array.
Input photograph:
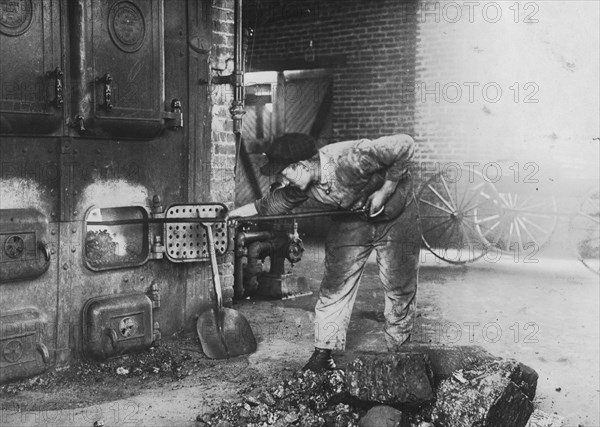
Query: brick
[
  {"x": 226, "y": 269},
  {"x": 224, "y": 149},
  {"x": 390, "y": 378},
  {"x": 223, "y": 27}
]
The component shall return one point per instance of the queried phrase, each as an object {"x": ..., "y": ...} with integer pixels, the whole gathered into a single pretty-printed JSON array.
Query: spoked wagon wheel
[
  {"x": 448, "y": 209},
  {"x": 522, "y": 223},
  {"x": 584, "y": 231}
]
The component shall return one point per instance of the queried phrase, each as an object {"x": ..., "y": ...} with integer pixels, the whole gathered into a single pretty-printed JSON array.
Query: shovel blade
[{"x": 225, "y": 333}]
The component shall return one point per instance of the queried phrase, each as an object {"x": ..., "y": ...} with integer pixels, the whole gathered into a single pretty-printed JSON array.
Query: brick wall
[
  {"x": 223, "y": 140},
  {"x": 471, "y": 81},
  {"x": 222, "y": 161},
  {"x": 376, "y": 40}
]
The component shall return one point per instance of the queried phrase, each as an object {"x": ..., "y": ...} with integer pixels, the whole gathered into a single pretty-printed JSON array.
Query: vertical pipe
[
  {"x": 78, "y": 48},
  {"x": 237, "y": 109}
]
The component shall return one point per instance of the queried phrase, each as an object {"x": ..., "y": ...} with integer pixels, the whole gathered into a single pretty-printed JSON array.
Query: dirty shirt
[{"x": 350, "y": 172}]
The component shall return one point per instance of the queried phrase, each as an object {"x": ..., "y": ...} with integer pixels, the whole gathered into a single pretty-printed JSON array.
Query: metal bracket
[
  {"x": 174, "y": 118},
  {"x": 106, "y": 79},
  {"x": 157, "y": 251},
  {"x": 223, "y": 80},
  {"x": 57, "y": 75},
  {"x": 154, "y": 295},
  {"x": 157, "y": 334}
]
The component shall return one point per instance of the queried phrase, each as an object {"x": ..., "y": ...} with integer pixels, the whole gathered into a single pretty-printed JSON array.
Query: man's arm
[
  {"x": 279, "y": 201},
  {"x": 244, "y": 211},
  {"x": 393, "y": 154}
]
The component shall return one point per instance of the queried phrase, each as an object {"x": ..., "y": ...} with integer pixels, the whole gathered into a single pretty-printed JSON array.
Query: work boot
[
  {"x": 320, "y": 361},
  {"x": 398, "y": 347}
]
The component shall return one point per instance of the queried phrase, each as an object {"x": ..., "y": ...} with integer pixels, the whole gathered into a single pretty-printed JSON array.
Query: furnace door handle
[
  {"x": 112, "y": 335},
  {"x": 43, "y": 247},
  {"x": 107, "y": 81},
  {"x": 43, "y": 350}
]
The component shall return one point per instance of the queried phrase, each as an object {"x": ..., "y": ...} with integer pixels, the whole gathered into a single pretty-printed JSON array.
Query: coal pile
[
  {"x": 454, "y": 387},
  {"x": 307, "y": 399}
]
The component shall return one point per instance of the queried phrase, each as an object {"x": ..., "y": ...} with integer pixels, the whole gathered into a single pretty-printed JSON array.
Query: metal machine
[{"x": 104, "y": 105}]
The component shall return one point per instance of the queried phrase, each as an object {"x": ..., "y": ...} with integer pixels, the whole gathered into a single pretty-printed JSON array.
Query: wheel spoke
[
  {"x": 447, "y": 190},
  {"x": 451, "y": 229},
  {"x": 543, "y": 215},
  {"x": 469, "y": 228},
  {"x": 464, "y": 195},
  {"x": 478, "y": 186},
  {"x": 491, "y": 228},
  {"x": 533, "y": 224},
  {"x": 510, "y": 233},
  {"x": 474, "y": 246},
  {"x": 436, "y": 206},
  {"x": 489, "y": 218},
  {"x": 444, "y": 201},
  {"x": 437, "y": 225},
  {"x": 544, "y": 203},
  {"x": 478, "y": 205},
  {"x": 475, "y": 194},
  {"x": 506, "y": 203},
  {"x": 518, "y": 230},
  {"x": 533, "y": 239},
  {"x": 510, "y": 199}
]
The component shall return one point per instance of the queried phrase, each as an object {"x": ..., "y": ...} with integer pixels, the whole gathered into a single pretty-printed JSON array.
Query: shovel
[{"x": 223, "y": 332}]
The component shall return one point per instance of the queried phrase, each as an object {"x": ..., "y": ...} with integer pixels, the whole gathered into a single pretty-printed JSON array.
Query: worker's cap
[{"x": 287, "y": 149}]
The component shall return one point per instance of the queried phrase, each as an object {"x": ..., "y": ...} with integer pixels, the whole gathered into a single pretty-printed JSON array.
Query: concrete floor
[{"x": 544, "y": 314}]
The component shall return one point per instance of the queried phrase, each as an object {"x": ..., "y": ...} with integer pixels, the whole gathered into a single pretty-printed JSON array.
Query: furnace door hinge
[
  {"x": 157, "y": 250},
  {"x": 156, "y": 334},
  {"x": 154, "y": 295}
]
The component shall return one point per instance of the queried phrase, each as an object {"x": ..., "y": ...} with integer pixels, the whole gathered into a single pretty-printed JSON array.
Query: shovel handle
[{"x": 213, "y": 265}]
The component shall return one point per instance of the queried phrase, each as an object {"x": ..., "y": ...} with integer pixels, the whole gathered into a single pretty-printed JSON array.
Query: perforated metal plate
[{"x": 187, "y": 242}]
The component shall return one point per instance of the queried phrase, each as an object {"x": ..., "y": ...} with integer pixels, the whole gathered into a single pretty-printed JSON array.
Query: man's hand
[
  {"x": 243, "y": 211},
  {"x": 377, "y": 200}
]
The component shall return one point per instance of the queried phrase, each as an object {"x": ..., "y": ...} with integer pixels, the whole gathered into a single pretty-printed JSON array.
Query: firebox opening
[{"x": 116, "y": 245}]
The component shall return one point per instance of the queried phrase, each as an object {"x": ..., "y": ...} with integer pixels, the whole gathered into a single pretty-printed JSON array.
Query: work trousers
[{"x": 348, "y": 246}]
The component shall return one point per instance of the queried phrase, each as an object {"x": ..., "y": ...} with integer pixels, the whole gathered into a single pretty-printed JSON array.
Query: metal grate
[{"x": 187, "y": 242}]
